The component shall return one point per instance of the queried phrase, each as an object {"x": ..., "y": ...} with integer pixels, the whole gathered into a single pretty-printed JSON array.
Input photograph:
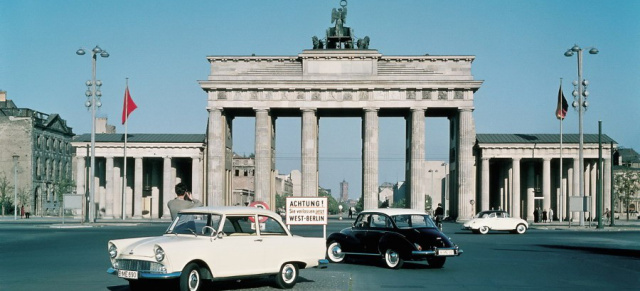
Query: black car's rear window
[{"x": 413, "y": 221}]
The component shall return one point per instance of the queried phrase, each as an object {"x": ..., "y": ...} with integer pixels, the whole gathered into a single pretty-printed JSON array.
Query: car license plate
[
  {"x": 446, "y": 252},
  {"x": 128, "y": 274}
]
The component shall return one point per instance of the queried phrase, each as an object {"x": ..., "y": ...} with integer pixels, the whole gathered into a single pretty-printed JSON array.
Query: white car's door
[
  {"x": 276, "y": 246},
  {"x": 502, "y": 222},
  {"x": 237, "y": 251}
]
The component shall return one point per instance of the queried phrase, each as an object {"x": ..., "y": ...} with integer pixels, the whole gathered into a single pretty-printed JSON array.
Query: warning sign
[{"x": 306, "y": 210}]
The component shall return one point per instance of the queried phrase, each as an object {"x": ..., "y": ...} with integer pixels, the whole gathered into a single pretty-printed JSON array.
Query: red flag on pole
[
  {"x": 129, "y": 106},
  {"x": 561, "y": 110}
]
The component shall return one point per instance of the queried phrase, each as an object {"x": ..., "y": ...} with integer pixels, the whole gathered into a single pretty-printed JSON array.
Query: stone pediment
[{"x": 55, "y": 123}]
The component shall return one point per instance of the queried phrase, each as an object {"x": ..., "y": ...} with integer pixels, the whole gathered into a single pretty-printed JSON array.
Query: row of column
[
  {"x": 566, "y": 187},
  {"x": 220, "y": 132},
  {"x": 109, "y": 199}
]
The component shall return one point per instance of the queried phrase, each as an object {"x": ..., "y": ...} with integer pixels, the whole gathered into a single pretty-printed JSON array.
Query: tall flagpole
[
  {"x": 124, "y": 175},
  {"x": 561, "y": 208}
]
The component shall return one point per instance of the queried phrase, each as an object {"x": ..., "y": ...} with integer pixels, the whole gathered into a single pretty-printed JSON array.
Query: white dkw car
[
  {"x": 216, "y": 243},
  {"x": 495, "y": 220}
]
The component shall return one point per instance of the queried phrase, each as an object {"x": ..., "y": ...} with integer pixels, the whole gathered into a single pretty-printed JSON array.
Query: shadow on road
[{"x": 601, "y": 251}]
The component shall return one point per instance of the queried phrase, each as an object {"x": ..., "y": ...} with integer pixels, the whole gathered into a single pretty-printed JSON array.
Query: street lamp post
[
  {"x": 93, "y": 100},
  {"x": 432, "y": 171},
  {"x": 581, "y": 104},
  {"x": 15, "y": 187},
  {"x": 446, "y": 189}
]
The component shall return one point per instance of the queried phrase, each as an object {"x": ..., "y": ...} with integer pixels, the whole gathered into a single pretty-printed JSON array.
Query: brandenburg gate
[{"x": 341, "y": 77}]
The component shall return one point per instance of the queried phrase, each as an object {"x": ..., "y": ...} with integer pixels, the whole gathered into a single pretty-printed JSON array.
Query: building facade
[
  {"x": 42, "y": 144},
  {"x": 155, "y": 163},
  {"x": 521, "y": 172}
]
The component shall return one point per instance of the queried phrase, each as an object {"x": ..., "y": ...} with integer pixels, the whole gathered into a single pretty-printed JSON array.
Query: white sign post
[
  {"x": 307, "y": 211},
  {"x": 71, "y": 201}
]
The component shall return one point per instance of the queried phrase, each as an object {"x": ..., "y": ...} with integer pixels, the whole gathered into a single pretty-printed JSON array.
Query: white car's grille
[{"x": 138, "y": 265}]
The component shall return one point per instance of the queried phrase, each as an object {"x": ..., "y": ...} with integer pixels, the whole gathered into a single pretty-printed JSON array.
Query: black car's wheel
[
  {"x": 520, "y": 229},
  {"x": 436, "y": 262},
  {"x": 392, "y": 259},
  {"x": 483, "y": 229},
  {"x": 287, "y": 277},
  {"x": 334, "y": 252},
  {"x": 191, "y": 278}
]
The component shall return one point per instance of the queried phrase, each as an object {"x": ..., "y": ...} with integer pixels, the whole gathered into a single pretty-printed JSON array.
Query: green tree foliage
[
  {"x": 626, "y": 186},
  {"x": 62, "y": 187},
  {"x": 333, "y": 203},
  {"x": 402, "y": 203},
  {"x": 6, "y": 194},
  {"x": 428, "y": 205}
]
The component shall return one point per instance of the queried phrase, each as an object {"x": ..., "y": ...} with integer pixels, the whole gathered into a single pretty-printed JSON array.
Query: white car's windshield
[
  {"x": 413, "y": 221},
  {"x": 194, "y": 223}
]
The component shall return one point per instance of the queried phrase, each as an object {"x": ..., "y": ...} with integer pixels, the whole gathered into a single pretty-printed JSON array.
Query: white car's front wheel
[
  {"x": 520, "y": 229},
  {"x": 191, "y": 278},
  {"x": 288, "y": 276}
]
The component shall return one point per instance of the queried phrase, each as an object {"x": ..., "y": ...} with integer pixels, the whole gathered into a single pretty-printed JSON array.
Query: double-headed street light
[
  {"x": 93, "y": 100},
  {"x": 581, "y": 104}
]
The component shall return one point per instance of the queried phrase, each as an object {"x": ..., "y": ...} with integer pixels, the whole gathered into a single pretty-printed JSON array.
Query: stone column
[
  {"x": 168, "y": 190},
  {"x": 263, "y": 156},
  {"x": 137, "y": 188},
  {"x": 466, "y": 181},
  {"x": 108, "y": 184},
  {"x": 593, "y": 174},
  {"x": 484, "y": 204},
  {"x": 606, "y": 185},
  {"x": 416, "y": 159},
  {"x": 216, "y": 158},
  {"x": 309, "y": 152},
  {"x": 370, "y": 158},
  {"x": 546, "y": 184},
  {"x": 196, "y": 178},
  {"x": 531, "y": 201},
  {"x": 515, "y": 208},
  {"x": 81, "y": 176}
]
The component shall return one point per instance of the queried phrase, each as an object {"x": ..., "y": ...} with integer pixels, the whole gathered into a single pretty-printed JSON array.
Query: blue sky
[{"x": 161, "y": 46}]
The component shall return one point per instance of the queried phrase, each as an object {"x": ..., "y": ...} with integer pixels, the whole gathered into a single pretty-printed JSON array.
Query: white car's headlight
[
  {"x": 113, "y": 251},
  {"x": 159, "y": 252}
]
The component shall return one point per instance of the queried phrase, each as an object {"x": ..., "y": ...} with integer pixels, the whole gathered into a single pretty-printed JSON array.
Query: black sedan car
[{"x": 396, "y": 235}]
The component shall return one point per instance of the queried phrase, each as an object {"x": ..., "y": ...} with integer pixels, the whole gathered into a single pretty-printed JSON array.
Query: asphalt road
[{"x": 37, "y": 256}]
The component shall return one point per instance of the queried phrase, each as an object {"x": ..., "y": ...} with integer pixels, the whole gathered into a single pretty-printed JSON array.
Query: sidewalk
[{"x": 619, "y": 225}]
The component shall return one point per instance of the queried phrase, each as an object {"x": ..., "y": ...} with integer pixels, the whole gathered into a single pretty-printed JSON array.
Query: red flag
[
  {"x": 561, "y": 110},
  {"x": 128, "y": 107}
]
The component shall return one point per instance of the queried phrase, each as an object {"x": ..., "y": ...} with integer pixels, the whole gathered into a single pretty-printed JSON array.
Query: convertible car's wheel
[
  {"x": 334, "y": 252},
  {"x": 392, "y": 259},
  {"x": 521, "y": 228},
  {"x": 288, "y": 276},
  {"x": 436, "y": 262},
  {"x": 191, "y": 278},
  {"x": 483, "y": 229}
]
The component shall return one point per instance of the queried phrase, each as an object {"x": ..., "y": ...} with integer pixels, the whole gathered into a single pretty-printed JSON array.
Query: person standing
[
  {"x": 21, "y": 211},
  {"x": 550, "y": 215},
  {"x": 544, "y": 215},
  {"x": 183, "y": 200},
  {"x": 350, "y": 213},
  {"x": 536, "y": 215}
]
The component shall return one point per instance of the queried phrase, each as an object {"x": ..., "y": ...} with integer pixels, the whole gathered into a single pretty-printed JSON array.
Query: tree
[
  {"x": 61, "y": 187},
  {"x": 428, "y": 205},
  {"x": 626, "y": 185},
  {"x": 6, "y": 191},
  {"x": 402, "y": 203}
]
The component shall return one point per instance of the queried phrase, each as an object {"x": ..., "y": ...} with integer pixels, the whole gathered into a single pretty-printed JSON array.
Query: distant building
[
  {"x": 344, "y": 191},
  {"x": 41, "y": 142},
  {"x": 385, "y": 193}
]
